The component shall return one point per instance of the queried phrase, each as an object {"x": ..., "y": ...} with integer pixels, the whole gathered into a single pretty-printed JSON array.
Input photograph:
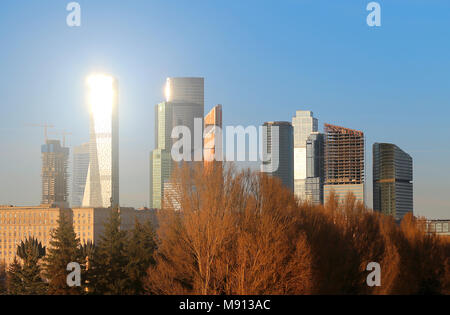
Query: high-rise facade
[
  {"x": 278, "y": 151},
  {"x": 183, "y": 106},
  {"x": 344, "y": 162},
  {"x": 392, "y": 180},
  {"x": 54, "y": 173},
  {"x": 315, "y": 146},
  {"x": 185, "y": 90},
  {"x": 304, "y": 124},
  {"x": 79, "y": 173},
  {"x": 213, "y": 136},
  {"x": 102, "y": 183}
]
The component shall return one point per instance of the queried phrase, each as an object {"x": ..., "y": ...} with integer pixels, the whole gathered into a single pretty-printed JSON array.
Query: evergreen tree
[
  {"x": 107, "y": 270},
  {"x": 140, "y": 249},
  {"x": 26, "y": 278},
  {"x": 2, "y": 279},
  {"x": 65, "y": 248},
  {"x": 14, "y": 281}
]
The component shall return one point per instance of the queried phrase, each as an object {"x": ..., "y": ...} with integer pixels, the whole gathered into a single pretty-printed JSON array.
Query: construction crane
[
  {"x": 45, "y": 126},
  {"x": 62, "y": 133}
]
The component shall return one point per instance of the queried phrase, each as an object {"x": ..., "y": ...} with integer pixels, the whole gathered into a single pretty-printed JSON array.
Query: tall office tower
[
  {"x": 185, "y": 90},
  {"x": 79, "y": 173},
  {"x": 54, "y": 173},
  {"x": 344, "y": 162},
  {"x": 213, "y": 136},
  {"x": 278, "y": 151},
  {"x": 102, "y": 183},
  {"x": 304, "y": 124},
  {"x": 315, "y": 167},
  {"x": 392, "y": 180},
  {"x": 185, "y": 104}
]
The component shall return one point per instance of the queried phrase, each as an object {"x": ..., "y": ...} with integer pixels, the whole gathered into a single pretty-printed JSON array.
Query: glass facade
[
  {"x": 278, "y": 152},
  {"x": 315, "y": 168},
  {"x": 102, "y": 184},
  {"x": 79, "y": 173},
  {"x": 392, "y": 180},
  {"x": 303, "y": 125},
  {"x": 185, "y": 103}
]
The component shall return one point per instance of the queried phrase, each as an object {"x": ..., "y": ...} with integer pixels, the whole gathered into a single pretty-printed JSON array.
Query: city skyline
[{"x": 388, "y": 113}]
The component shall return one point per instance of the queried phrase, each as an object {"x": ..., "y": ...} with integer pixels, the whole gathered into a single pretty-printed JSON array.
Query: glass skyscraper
[
  {"x": 315, "y": 167},
  {"x": 278, "y": 151},
  {"x": 184, "y": 103},
  {"x": 213, "y": 138},
  {"x": 304, "y": 124},
  {"x": 102, "y": 183},
  {"x": 79, "y": 173},
  {"x": 392, "y": 180}
]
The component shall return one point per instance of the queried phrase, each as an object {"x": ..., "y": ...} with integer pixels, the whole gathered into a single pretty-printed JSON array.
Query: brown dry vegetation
[{"x": 243, "y": 233}]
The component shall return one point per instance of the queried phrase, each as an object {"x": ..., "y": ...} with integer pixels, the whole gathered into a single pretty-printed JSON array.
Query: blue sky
[{"x": 262, "y": 60}]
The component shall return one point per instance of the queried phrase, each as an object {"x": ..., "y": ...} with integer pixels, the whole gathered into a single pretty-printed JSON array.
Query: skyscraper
[
  {"x": 213, "y": 135},
  {"x": 54, "y": 173},
  {"x": 79, "y": 173},
  {"x": 304, "y": 124},
  {"x": 185, "y": 90},
  {"x": 392, "y": 180},
  {"x": 278, "y": 151},
  {"x": 344, "y": 162},
  {"x": 315, "y": 167},
  {"x": 102, "y": 184},
  {"x": 185, "y": 103}
]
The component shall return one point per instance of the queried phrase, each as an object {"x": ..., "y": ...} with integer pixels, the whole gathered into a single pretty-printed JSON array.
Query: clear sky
[{"x": 262, "y": 60}]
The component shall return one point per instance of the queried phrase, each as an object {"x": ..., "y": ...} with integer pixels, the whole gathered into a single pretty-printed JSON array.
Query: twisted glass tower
[{"x": 102, "y": 183}]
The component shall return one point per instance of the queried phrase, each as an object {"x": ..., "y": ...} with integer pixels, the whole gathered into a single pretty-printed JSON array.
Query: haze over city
[{"x": 390, "y": 82}]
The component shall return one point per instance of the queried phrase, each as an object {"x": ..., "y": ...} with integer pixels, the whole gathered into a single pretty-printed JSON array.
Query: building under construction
[
  {"x": 54, "y": 173},
  {"x": 344, "y": 162}
]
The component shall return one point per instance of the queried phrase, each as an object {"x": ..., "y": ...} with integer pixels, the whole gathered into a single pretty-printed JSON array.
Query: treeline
[
  {"x": 243, "y": 233},
  {"x": 230, "y": 232}
]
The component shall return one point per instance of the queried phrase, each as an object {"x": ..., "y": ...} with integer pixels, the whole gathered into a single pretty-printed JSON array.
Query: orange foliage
[{"x": 229, "y": 232}]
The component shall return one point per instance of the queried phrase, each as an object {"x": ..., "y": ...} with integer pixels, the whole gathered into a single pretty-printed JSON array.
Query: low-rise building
[
  {"x": 19, "y": 223},
  {"x": 440, "y": 227}
]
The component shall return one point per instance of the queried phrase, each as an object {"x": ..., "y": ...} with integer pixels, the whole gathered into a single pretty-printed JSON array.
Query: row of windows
[
  {"x": 32, "y": 221},
  {"x": 25, "y": 214},
  {"x": 20, "y": 227}
]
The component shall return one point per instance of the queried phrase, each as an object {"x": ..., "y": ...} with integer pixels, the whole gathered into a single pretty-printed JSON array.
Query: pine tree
[
  {"x": 2, "y": 279},
  {"x": 140, "y": 249},
  {"x": 65, "y": 248},
  {"x": 26, "y": 278},
  {"x": 14, "y": 281},
  {"x": 107, "y": 272}
]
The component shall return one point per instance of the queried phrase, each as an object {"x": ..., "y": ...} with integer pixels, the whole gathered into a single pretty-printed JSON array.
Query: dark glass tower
[
  {"x": 392, "y": 180},
  {"x": 278, "y": 151},
  {"x": 315, "y": 167}
]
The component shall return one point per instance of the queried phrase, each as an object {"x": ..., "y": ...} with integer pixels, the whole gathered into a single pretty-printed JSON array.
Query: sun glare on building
[
  {"x": 101, "y": 94},
  {"x": 167, "y": 91},
  {"x": 102, "y": 185}
]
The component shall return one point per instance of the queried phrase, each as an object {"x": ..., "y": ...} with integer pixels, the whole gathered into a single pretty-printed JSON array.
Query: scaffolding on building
[{"x": 344, "y": 155}]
